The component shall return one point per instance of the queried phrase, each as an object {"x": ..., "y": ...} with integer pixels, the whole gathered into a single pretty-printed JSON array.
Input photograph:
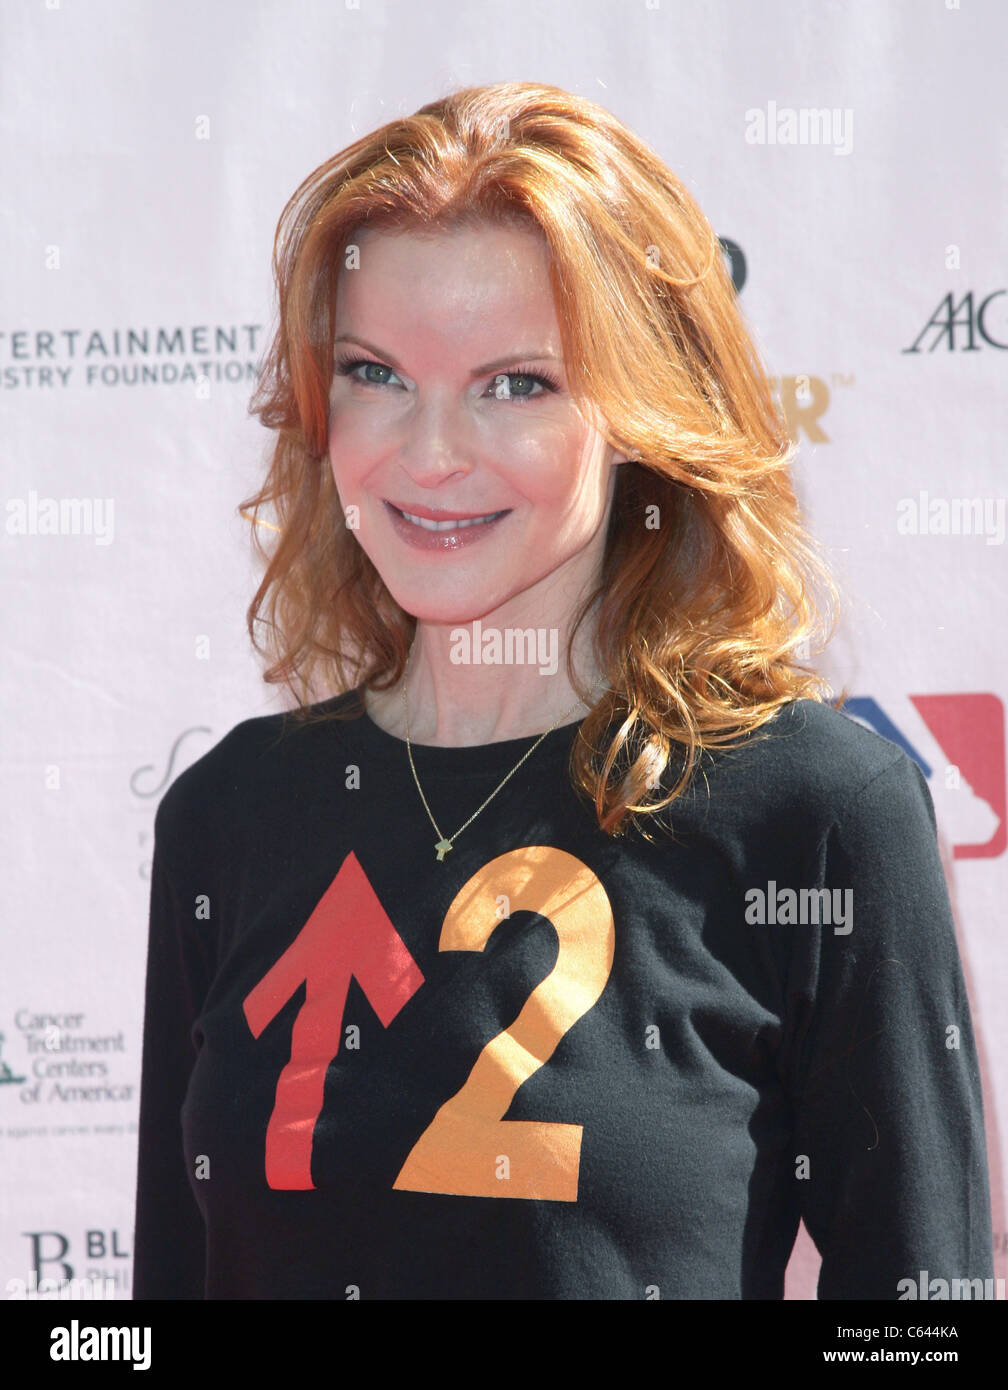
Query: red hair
[{"x": 707, "y": 595}]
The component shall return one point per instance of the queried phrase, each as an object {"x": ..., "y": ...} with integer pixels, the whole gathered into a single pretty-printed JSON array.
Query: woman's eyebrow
[{"x": 476, "y": 371}]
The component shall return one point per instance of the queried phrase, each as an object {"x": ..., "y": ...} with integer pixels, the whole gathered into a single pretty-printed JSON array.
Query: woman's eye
[
  {"x": 509, "y": 386},
  {"x": 504, "y": 387},
  {"x": 348, "y": 367}
]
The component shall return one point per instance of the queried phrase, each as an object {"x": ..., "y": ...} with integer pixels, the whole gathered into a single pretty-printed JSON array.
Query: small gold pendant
[{"x": 442, "y": 847}]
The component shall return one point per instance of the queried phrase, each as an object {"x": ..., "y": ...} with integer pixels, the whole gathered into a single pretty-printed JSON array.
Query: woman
[{"x": 502, "y": 976}]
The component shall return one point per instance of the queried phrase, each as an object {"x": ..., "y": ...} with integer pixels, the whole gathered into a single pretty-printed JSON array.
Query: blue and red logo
[{"x": 958, "y": 742}]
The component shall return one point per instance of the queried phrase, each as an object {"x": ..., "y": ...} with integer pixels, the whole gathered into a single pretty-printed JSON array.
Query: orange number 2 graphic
[{"x": 462, "y": 1150}]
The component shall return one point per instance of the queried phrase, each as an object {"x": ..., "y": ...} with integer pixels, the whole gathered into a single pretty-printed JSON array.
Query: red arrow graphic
[{"x": 349, "y": 934}]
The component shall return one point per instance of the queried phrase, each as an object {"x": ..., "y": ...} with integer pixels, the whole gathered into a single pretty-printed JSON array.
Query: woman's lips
[{"x": 450, "y": 538}]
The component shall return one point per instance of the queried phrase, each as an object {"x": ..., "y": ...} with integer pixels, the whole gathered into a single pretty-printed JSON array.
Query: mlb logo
[{"x": 958, "y": 742}]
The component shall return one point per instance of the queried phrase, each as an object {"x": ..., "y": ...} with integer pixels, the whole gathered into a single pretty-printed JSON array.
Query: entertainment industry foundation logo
[
  {"x": 195, "y": 354},
  {"x": 958, "y": 742}
]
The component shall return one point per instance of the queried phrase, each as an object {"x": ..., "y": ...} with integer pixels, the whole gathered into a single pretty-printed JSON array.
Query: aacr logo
[{"x": 959, "y": 325}]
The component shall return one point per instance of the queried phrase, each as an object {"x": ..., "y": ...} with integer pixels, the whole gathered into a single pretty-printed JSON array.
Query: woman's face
[{"x": 450, "y": 422}]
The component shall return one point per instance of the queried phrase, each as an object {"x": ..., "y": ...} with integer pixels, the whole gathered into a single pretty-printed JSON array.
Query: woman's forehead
[
  {"x": 459, "y": 277},
  {"x": 486, "y": 237}
]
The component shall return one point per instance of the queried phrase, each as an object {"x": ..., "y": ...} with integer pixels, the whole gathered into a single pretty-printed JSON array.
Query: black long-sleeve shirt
[{"x": 553, "y": 1064}]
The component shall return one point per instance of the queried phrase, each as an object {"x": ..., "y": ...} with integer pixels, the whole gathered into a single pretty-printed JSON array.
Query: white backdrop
[{"x": 147, "y": 152}]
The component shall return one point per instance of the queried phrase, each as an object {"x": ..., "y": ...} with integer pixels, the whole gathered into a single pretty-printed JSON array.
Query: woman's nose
[{"x": 437, "y": 440}]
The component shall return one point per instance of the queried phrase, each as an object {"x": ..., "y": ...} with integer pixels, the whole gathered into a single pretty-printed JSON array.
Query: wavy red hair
[{"x": 711, "y": 586}]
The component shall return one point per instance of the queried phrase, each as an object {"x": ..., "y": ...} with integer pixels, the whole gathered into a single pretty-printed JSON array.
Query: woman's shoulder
[
  {"x": 261, "y": 758},
  {"x": 811, "y": 763},
  {"x": 821, "y": 738}
]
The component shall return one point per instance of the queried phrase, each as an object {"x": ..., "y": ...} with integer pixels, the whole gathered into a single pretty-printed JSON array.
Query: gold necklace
[{"x": 444, "y": 843}]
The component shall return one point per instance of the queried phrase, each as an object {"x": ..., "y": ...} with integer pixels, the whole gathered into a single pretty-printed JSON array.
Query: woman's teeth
[{"x": 450, "y": 525}]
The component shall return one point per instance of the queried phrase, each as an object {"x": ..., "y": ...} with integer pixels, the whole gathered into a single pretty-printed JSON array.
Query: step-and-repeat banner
[{"x": 851, "y": 158}]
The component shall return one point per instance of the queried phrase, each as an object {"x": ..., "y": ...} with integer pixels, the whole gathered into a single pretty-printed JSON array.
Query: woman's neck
[{"x": 466, "y": 702}]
